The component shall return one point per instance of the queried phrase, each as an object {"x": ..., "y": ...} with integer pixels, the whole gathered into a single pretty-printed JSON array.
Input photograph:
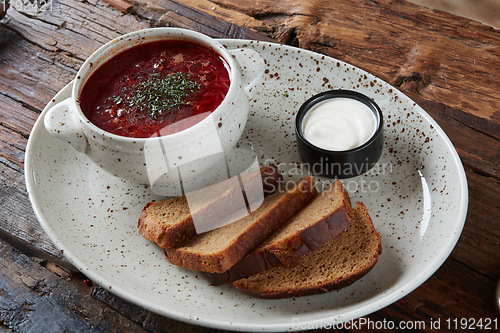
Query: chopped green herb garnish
[
  {"x": 117, "y": 99},
  {"x": 160, "y": 94},
  {"x": 285, "y": 94}
]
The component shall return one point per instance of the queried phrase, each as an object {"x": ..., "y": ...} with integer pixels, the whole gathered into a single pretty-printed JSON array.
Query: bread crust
[
  {"x": 217, "y": 262},
  {"x": 328, "y": 285},
  {"x": 287, "y": 251},
  {"x": 333, "y": 285},
  {"x": 152, "y": 230},
  {"x": 169, "y": 236}
]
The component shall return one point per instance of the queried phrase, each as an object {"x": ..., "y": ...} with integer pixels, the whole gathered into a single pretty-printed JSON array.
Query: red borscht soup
[{"x": 157, "y": 88}]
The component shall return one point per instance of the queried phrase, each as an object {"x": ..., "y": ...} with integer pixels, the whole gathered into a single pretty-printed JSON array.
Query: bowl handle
[
  {"x": 61, "y": 123},
  {"x": 251, "y": 67}
]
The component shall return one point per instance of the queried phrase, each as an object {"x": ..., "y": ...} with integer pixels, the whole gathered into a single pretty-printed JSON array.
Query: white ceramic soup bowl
[{"x": 160, "y": 160}]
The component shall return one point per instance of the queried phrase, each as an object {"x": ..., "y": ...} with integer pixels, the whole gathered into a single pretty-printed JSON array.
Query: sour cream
[{"x": 339, "y": 124}]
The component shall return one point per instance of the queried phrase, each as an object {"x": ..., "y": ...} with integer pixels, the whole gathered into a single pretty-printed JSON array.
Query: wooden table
[{"x": 449, "y": 65}]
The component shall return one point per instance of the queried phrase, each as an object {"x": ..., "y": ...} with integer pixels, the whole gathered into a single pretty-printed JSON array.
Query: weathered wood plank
[
  {"x": 150, "y": 321},
  {"x": 35, "y": 300},
  {"x": 180, "y": 15},
  {"x": 205, "y": 7},
  {"x": 448, "y": 294},
  {"x": 121, "y": 5},
  {"x": 77, "y": 28},
  {"x": 478, "y": 150},
  {"x": 52, "y": 262},
  {"x": 30, "y": 76},
  {"x": 16, "y": 215},
  {"x": 12, "y": 145},
  {"x": 16, "y": 116},
  {"x": 479, "y": 245}
]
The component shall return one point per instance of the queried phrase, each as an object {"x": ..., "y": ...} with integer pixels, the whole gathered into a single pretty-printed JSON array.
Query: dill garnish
[
  {"x": 117, "y": 99},
  {"x": 161, "y": 94}
]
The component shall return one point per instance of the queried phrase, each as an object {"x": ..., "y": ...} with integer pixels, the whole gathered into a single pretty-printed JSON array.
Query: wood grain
[
  {"x": 121, "y": 5},
  {"x": 447, "y": 64},
  {"x": 36, "y": 300}
]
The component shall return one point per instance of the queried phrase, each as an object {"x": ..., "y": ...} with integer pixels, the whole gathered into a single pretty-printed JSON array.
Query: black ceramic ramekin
[{"x": 345, "y": 163}]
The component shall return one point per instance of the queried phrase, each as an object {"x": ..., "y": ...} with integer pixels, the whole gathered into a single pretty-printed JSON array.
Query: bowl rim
[{"x": 153, "y": 34}]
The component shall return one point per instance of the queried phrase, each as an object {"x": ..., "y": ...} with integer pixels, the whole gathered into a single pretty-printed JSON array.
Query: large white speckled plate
[{"x": 417, "y": 197}]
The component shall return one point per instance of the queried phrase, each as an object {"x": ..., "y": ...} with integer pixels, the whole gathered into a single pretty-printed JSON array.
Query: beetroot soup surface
[{"x": 109, "y": 98}]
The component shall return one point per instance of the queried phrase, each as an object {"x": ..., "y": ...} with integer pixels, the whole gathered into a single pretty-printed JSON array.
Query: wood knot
[
  {"x": 287, "y": 37},
  {"x": 413, "y": 82}
]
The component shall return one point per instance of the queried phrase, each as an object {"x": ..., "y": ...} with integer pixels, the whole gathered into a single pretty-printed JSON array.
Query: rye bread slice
[
  {"x": 336, "y": 264},
  {"x": 218, "y": 250},
  {"x": 321, "y": 220},
  {"x": 168, "y": 223}
]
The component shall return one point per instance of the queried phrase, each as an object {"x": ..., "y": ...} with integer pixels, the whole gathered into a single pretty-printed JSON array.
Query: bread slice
[
  {"x": 336, "y": 264},
  {"x": 218, "y": 250},
  {"x": 320, "y": 221},
  {"x": 170, "y": 222}
]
